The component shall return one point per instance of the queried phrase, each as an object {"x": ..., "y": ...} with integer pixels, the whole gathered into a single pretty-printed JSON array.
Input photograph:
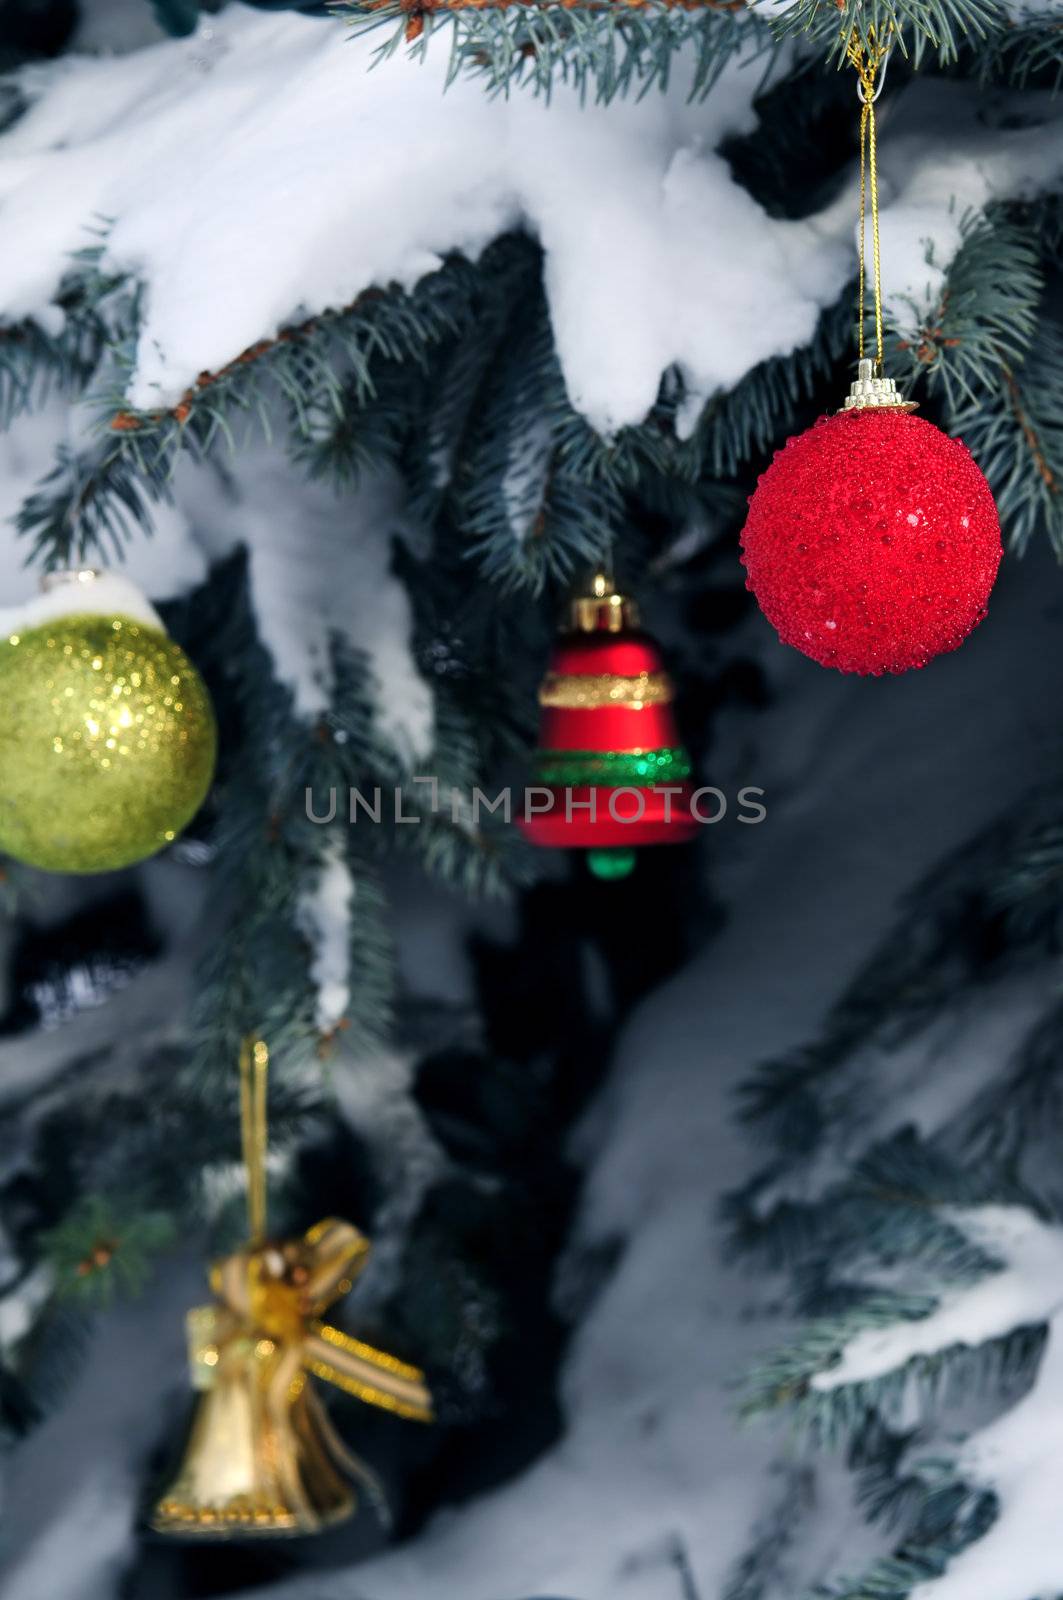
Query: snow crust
[{"x": 259, "y": 171}]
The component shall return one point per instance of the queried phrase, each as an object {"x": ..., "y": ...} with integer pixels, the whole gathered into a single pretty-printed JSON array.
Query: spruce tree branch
[
  {"x": 417, "y": 11},
  {"x": 614, "y": 46}
]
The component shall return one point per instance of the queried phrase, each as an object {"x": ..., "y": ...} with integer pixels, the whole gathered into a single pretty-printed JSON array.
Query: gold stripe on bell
[{"x": 589, "y": 691}]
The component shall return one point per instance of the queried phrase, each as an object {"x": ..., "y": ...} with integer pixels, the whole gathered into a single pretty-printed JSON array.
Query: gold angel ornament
[{"x": 262, "y": 1456}]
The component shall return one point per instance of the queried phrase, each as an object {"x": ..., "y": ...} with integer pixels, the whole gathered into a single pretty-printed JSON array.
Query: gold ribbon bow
[
  {"x": 273, "y": 1294},
  {"x": 262, "y": 1456}
]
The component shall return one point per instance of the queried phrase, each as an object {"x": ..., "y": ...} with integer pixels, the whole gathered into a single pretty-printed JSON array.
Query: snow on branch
[
  {"x": 347, "y": 591},
  {"x": 1018, "y": 1457},
  {"x": 324, "y": 915},
  {"x": 990, "y": 1512},
  {"x": 631, "y": 203},
  {"x": 1026, "y": 1291},
  {"x": 900, "y": 1344}
]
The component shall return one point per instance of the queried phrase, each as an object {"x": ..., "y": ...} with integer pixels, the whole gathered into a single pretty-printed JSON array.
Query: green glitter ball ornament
[
  {"x": 611, "y": 864},
  {"x": 107, "y": 742}
]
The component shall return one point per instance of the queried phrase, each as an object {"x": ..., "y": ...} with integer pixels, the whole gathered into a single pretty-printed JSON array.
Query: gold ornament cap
[
  {"x": 868, "y": 393},
  {"x": 601, "y": 609}
]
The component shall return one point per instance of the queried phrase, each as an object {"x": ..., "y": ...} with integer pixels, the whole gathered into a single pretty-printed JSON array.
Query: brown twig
[
  {"x": 100, "y": 1256},
  {"x": 932, "y": 340},
  {"x": 1029, "y": 432},
  {"x": 932, "y": 337},
  {"x": 328, "y": 1040}
]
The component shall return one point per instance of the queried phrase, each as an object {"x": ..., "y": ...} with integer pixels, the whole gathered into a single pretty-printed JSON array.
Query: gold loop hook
[{"x": 879, "y": 74}]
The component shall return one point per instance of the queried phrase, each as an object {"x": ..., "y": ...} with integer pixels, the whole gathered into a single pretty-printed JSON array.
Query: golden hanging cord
[
  {"x": 254, "y": 1074},
  {"x": 872, "y": 389},
  {"x": 869, "y": 62}
]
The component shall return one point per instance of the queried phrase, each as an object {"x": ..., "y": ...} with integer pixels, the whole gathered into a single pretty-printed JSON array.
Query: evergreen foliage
[{"x": 457, "y": 386}]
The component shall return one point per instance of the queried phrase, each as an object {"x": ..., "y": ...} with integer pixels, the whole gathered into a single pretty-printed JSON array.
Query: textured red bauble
[{"x": 872, "y": 542}]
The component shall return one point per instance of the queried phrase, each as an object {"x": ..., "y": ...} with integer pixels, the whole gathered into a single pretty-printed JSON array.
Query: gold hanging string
[
  {"x": 254, "y": 1072},
  {"x": 869, "y": 63}
]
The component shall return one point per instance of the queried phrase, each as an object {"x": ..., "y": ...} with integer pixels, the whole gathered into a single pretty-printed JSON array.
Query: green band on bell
[{"x": 610, "y": 769}]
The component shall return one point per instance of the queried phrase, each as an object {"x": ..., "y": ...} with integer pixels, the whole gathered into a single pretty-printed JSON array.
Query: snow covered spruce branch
[
  {"x": 976, "y": 1520},
  {"x": 526, "y": 414},
  {"x": 990, "y": 348},
  {"x": 64, "y": 346},
  {"x": 909, "y": 1201}
]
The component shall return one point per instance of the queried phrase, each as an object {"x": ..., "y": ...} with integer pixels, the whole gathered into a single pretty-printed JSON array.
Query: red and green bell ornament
[{"x": 610, "y": 774}]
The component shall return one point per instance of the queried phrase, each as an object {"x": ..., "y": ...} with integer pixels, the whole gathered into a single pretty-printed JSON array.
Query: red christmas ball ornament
[
  {"x": 610, "y": 774},
  {"x": 872, "y": 541}
]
